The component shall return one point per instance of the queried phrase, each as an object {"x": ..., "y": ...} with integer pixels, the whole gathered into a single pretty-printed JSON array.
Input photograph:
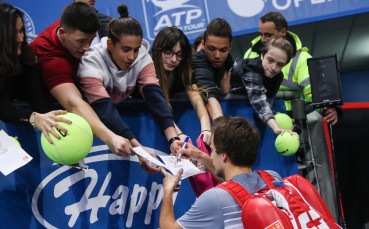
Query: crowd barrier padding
[{"x": 114, "y": 192}]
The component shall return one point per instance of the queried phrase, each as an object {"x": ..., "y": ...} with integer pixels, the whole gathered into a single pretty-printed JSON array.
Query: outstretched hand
[
  {"x": 119, "y": 145},
  {"x": 46, "y": 122},
  {"x": 175, "y": 147},
  {"x": 206, "y": 137},
  {"x": 170, "y": 182},
  {"x": 225, "y": 82},
  {"x": 291, "y": 132},
  {"x": 146, "y": 165}
]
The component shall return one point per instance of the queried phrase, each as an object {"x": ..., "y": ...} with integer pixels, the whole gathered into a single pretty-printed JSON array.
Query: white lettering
[
  {"x": 118, "y": 206},
  {"x": 176, "y": 19},
  {"x": 119, "y": 198},
  {"x": 85, "y": 203},
  {"x": 164, "y": 21},
  {"x": 281, "y": 7},
  {"x": 194, "y": 26},
  {"x": 192, "y": 14},
  {"x": 297, "y": 4},
  {"x": 135, "y": 205},
  {"x": 317, "y": 1},
  {"x": 100, "y": 201},
  {"x": 156, "y": 191},
  {"x": 177, "y": 16}
]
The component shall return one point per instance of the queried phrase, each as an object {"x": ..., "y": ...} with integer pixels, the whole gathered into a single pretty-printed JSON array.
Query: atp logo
[
  {"x": 246, "y": 8},
  {"x": 188, "y": 15},
  {"x": 28, "y": 25}
]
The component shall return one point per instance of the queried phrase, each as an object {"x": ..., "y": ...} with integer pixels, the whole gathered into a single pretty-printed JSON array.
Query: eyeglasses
[{"x": 179, "y": 55}]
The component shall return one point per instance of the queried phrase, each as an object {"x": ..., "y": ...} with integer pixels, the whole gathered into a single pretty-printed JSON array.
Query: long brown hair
[
  {"x": 10, "y": 62},
  {"x": 166, "y": 39}
]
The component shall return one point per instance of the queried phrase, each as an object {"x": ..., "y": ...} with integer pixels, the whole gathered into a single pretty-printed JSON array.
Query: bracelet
[
  {"x": 172, "y": 140},
  {"x": 33, "y": 121},
  {"x": 205, "y": 130},
  {"x": 179, "y": 134}
]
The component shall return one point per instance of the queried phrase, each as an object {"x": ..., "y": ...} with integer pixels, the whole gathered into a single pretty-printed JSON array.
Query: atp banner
[
  {"x": 192, "y": 16},
  {"x": 114, "y": 192}
]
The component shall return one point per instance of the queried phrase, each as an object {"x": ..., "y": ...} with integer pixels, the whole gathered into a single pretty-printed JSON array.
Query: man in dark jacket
[{"x": 210, "y": 67}]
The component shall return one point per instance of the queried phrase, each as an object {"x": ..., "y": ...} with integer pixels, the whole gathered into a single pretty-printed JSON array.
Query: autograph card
[
  {"x": 12, "y": 156},
  {"x": 141, "y": 152},
  {"x": 189, "y": 169}
]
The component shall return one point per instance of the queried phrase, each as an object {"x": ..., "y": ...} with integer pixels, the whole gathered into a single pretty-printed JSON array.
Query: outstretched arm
[
  {"x": 167, "y": 219},
  {"x": 214, "y": 108},
  {"x": 70, "y": 98},
  {"x": 201, "y": 111}
]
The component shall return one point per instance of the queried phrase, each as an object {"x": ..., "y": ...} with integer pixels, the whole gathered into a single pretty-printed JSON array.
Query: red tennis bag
[{"x": 291, "y": 203}]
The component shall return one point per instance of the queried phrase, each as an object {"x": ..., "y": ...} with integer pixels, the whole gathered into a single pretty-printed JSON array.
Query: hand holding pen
[{"x": 183, "y": 147}]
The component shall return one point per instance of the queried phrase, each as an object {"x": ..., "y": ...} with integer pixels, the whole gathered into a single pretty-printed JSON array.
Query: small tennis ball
[
  {"x": 287, "y": 144},
  {"x": 16, "y": 141},
  {"x": 284, "y": 121},
  {"x": 74, "y": 145}
]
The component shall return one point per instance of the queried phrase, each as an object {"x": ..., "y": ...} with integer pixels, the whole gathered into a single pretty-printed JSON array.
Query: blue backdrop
[
  {"x": 114, "y": 192},
  {"x": 192, "y": 16}
]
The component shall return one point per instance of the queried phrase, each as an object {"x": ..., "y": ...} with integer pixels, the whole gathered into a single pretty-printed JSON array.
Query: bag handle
[{"x": 267, "y": 178}]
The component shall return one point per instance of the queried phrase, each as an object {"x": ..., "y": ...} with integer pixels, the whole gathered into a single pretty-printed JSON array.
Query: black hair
[
  {"x": 10, "y": 62},
  {"x": 218, "y": 27},
  {"x": 124, "y": 25},
  {"x": 79, "y": 16},
  {"x": 237, "y": 138},
  {"x": 279, "y": 20},
  {"x": 197, "y": 42}
]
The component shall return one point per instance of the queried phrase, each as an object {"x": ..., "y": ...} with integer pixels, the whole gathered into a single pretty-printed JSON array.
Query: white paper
[
  {"x": 12, "y": 156},
  {"x": 141, "y": 152},
  {"x": 170, "y": 163},
  {"x": 189, "y": 169}
]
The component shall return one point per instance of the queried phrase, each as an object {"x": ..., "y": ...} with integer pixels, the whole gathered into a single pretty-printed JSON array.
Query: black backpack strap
[
  {"x": 267, "y": 178},
  {"x": 238, "y": 192}
]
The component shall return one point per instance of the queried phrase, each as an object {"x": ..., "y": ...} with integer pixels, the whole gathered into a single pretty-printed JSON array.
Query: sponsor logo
[
  {"x": 188, "y": 15},
  {"x": 246, "y": 8},
  {"x": 28, "y": 25},
  {"x": 251, "y": 8},
  {"x": 69, "y": 197},
  {"x": 276, "y": 225}
]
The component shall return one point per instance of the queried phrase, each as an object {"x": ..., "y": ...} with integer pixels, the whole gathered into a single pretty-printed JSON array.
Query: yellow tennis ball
[
  {"x": 72, "y": 146},
  {"x": 287, "y": 144},
  {"x": 16, "y": 141},
  {"x": 284, "y": 121}
]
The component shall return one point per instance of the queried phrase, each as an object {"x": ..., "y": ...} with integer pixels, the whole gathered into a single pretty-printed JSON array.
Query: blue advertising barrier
[
  {"x": 114, "y": 192},
  {"x": 192, "y": 16}
]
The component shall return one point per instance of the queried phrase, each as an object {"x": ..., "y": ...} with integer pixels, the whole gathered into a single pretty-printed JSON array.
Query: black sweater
[{"x": 25, "y": 86}]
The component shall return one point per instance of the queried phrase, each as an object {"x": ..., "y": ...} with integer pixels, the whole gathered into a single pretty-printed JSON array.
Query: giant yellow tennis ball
[
  {"x": 284, "y": 121},
  {"x": 287, "y": 144},
  {"x": 72, "y": 146}
]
